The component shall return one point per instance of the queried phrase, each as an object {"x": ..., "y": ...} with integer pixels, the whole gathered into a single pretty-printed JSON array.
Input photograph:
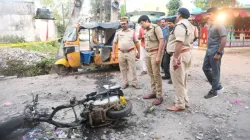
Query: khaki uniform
[
  {"x": 126, "y": 41},
  {"x": 152, "y": 36},
  {"x": 179, "y": 76}
]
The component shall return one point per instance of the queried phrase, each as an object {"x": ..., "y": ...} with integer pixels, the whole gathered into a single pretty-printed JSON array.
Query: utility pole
[
  {"x": 100, "y": 14},
  {"x": 114, "y": 12},
  {"x": 69, "y": 6},
  {"x": 125, "y": 5},
  {"x": 63, "y": 15}
]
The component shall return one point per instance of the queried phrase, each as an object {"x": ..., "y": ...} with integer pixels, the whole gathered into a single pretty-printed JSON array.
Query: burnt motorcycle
[{"x": 98, "y": 109}]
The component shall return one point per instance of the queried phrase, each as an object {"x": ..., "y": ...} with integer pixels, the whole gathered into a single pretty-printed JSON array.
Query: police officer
[
  {"x": 166, "y": 60},
  {"x": 126, "y": 38},
  {"x": 179, "y": 47},
  {"x": 154, "y": 46}
]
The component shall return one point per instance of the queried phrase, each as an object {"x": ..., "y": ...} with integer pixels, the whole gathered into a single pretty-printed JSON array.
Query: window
[{"x": 72, "y": 34}]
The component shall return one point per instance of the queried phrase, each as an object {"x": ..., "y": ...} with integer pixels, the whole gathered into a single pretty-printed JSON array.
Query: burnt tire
[
  {"x": 7, "y": 127},
  {"x": 115, "y": 67},
  {"x": 113, "y": 114}
]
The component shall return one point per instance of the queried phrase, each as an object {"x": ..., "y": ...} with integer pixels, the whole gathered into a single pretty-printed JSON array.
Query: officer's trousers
[
  {"x": 126, "y": 64},
  {"x": 142, "y": 58},
  {"x": 154, "y": 73},
  {"x": 179, "y": 79}
]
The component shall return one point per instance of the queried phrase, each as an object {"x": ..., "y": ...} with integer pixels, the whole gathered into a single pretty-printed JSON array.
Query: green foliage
[
  {"x": 173, "y": 6},
  {"x": 123, "y": 10},
  {"x": 47, "y": 3},
  {"x": 205, "y": 4},
  {"x": 57, "y": 12},
  {"x": 60, "y": 29},
  {"x": 48, "y": 48},
  {"x": 17, "y": 67},
  {"x": 11, "y": 39}
]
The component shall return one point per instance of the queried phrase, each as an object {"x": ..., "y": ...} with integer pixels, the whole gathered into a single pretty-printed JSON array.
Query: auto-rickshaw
[{"x": 99, "y": 46}]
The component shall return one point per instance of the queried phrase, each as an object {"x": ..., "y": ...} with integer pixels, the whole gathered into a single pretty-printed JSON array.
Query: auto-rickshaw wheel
[
  {"x": 116, "y": 67},
  {"x": 62, "y": 70}
]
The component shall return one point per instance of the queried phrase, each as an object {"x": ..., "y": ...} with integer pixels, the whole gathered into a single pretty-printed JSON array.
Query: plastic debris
[
  {"x": 58, "y": 132},
  {"x": 238, "y": 102},
  {"x": 7, "y": 104},
  {"x": 144, "y": 134},
  {"x": 246, "y": 107}
]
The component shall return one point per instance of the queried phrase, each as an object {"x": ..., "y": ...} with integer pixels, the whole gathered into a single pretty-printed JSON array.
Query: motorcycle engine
[{"x": 98, "y": 108}]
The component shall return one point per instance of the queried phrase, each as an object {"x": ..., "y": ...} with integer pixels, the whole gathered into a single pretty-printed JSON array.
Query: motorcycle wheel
[
  {"x": 62, "y": 70},
  {"x": 116, "y": 114}
]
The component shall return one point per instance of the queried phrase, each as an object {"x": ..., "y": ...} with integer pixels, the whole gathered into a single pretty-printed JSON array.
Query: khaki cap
[{"x": 124, "y": 20}]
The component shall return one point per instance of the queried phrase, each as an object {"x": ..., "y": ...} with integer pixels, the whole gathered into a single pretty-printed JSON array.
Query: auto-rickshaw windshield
[{"x": 72, "y": 34}]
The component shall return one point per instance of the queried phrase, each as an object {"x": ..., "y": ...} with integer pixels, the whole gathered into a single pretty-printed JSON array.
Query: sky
[{"x": 133, "y": 5}]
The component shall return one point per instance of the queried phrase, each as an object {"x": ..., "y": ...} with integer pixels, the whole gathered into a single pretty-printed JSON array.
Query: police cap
[
  {"x": 124, "y": 19},
  {"x": 184, "y": 13}
]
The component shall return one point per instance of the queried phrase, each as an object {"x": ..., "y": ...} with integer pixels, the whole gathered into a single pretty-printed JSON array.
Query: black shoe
[
  {"x": 211, "y": 94},
  {"x": 165, "y": 77},
  {"x": 170, "y": 82}
]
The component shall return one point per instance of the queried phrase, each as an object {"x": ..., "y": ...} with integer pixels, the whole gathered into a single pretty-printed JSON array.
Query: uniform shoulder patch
[
  {"x": 154, "y": 25},
  {"x": 118, "y": 30}
]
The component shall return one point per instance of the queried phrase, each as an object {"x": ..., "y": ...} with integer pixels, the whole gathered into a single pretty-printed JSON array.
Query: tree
[
  {"x": 107, "y": 9},
  {"x": 123, "y": 10},
  {"x": 95, "y": 9},
  {"x": 205, "y": 4},
  {"x": 173, "y": 6},
  {"x": 101, "y": 8},
  {"x": 47, "y": 3},
  {"x": 59, "y": 12}
]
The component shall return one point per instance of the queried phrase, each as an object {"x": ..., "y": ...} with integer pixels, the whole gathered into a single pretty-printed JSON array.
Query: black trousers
[
  {"x": 165, "y": 64},
  {"x": 211, "y": 69}
]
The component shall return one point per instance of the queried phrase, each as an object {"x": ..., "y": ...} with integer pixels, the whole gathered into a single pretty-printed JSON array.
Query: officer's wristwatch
[{"x": 219, "y": 53}]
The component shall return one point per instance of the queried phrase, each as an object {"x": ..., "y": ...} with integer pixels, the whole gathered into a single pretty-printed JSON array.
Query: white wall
[
  {"x": 17, "y": 18},
  {"x": 20, "y": 25},
  {"x": 41, "y": 29}
]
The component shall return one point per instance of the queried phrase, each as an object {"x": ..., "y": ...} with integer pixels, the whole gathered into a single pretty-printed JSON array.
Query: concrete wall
[
  {"x": 41, "y": 26},
  {"x": 17, "y": 25},
  {"x": 17, "y": 19}
]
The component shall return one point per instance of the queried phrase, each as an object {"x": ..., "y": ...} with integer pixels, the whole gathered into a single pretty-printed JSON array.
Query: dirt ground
[{"x": 223, "y": 118}]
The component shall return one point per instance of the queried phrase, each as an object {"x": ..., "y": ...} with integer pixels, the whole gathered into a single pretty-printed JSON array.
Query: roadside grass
[
  {"x": 43, "y": 67},
  {"x": 50, "y": 48}
]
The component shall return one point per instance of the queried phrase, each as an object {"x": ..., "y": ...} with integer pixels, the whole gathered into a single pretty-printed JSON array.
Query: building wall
[
  {"x": 17, "y": 19},
  {"x": 41, "y": 26},
  {"x": 152, "y": 5}
]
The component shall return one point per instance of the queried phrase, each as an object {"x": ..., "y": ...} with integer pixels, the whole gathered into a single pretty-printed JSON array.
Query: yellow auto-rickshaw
[{"x": 95, "y": 50}]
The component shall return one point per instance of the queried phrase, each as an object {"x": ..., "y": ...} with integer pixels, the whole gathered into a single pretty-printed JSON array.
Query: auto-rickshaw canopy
[{"x": 105, "y": 25}]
